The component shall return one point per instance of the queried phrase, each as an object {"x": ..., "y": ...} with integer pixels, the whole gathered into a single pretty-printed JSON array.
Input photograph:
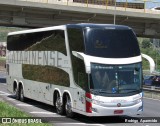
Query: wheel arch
[
  {"x": 66, "y": 92},
  {"x": 56, "y": 90},
  {"x": 21, "y": 84},
  {"x": 15, "y": 84}
]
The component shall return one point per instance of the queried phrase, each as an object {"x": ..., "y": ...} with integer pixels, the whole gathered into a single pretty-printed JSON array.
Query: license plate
[{"x": 118, "y": 111}]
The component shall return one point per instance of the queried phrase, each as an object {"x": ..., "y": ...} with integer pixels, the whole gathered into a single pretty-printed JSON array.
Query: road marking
[
  {"x": 10, "y": 99},
  {"x": 4, "y": 93},
  {"x": 152, "y": 99},
  {"x": 23, "y": 105},
  {"x": 3, "y": 83},
  {"x": 34, "y": 112}
]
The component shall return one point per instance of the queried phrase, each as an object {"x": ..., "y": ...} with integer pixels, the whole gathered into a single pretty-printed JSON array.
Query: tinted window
[
  {"x": 38, "y": 41},
  {"x": 111, "y": 43},
  {"x": 76, "y": 43},
  {"x": 46, "y": 74},
  {"x": 116, "y": 79},
  {"x": 79, "y": 73}
]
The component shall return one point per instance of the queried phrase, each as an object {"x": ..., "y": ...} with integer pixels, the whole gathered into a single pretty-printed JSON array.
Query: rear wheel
[
  {"x": 59, "y": 105},
  {"x": 22, "y": 98},
  {"x": 16, "y": 93},
  {"x": 68, "y": 107}
]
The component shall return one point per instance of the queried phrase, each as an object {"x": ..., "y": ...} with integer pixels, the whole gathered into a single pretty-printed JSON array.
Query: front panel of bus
[
  {"x": 112, "y": 88},
  {"x": 115, "y": 89}
]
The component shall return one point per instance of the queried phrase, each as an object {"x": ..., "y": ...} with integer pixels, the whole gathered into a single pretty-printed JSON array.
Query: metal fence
[
  {"x": 123, "y": 5},
  {"x": 151, "y": 92}
]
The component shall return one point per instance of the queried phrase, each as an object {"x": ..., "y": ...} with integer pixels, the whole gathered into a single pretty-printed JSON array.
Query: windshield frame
[{"x": 133, "y": 88}]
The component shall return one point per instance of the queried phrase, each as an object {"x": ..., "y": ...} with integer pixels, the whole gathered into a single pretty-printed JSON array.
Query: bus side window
[
  {"x": 81, "y": 79},
  {"x": 53, "y": 40},
  {"x": 76, "y": 43}
]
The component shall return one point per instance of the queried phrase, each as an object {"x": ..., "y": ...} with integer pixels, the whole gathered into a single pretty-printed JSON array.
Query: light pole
[{"x": 115, "y": 12}]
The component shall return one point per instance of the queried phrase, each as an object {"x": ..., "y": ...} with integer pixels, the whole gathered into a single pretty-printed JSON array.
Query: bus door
[
  {"x": 80, "y": 99},
  {"x": 47, "y": 92},
  {"x": 80, "y": 92}
]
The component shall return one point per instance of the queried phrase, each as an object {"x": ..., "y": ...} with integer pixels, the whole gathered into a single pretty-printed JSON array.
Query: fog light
[
  {"x": 94, "y": 109},
  {"x": 140, "y": 108}
]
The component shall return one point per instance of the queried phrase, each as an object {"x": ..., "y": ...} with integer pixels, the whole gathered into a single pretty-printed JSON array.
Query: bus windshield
[
  {"x": 115, "y": 79},
  {"x": 111, "y": 43}
]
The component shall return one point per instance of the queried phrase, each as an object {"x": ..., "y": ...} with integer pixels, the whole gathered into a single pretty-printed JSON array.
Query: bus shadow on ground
[
  {"x": 77, "y": 118},
  {"x": 104, "y": 119}
]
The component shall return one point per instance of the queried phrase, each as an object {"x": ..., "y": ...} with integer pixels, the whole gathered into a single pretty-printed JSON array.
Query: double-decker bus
[{"x": 91, "y": 69}]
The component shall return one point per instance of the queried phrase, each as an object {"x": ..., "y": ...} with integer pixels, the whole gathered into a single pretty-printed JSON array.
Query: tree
[{"x": 146, "y": 43}]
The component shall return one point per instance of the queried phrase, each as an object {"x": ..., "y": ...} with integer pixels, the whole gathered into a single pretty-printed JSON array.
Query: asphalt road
[{"x": 48, "y": 113}]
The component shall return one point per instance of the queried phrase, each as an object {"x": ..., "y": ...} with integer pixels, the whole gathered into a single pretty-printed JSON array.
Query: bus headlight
[
  {"x": 138, "y": 101},
  {"x": 97, "y": 102}
]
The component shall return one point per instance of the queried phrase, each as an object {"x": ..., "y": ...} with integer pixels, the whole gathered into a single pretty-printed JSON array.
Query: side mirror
[{"x": 85, "y": 58}]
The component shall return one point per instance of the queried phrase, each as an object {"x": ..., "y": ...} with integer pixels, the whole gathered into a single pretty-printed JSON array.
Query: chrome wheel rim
[
  {"x": 58, "y": 105},
  {"x": 68, "y": 105}
]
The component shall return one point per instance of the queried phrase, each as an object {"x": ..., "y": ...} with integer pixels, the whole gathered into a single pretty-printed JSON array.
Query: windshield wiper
[
  {"x": 103, "y": 91},
  {"x": 129, "y": 90},
  {"x": 95, "y": 91},
  {"x": 98, "y": 91}
]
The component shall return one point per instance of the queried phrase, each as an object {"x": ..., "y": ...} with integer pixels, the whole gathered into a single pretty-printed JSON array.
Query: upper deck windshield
[
  {"x": 115, "y": 79},
  {"x": 111, "y": 43}
]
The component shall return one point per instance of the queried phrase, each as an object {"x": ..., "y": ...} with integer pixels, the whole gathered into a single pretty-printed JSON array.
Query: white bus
[{"x": 91, "y": 69}]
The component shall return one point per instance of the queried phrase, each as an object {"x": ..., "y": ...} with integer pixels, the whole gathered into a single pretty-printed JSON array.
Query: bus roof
[
  {"x": 90, "y": 25},
  {"x": 37, "y": 30},
  {"x": 62, "y": 27}
]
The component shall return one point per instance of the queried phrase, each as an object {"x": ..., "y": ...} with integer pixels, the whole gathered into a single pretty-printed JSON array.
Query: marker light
[{"x": 88, "y": 103}]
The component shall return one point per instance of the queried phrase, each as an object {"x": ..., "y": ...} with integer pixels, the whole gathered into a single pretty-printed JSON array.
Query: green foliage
[
  {"x": 146, "y": 44},
  {"x": 5, "y": 30},
  {"x": 146, "y": 48},
  {"x": 3, "y": 36},
  {"x": 7, "y": 110},
  {"x": 10, "y": 111}
]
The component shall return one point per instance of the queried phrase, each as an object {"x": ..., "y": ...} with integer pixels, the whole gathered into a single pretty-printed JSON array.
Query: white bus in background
[{"x": 91, "y": 69}]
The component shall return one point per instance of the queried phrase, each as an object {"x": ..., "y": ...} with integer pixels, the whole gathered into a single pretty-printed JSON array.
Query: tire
[
  {"x": 68, "y": 107},
  {"x": 21, "y": 93},
  {"x": 16, "y": 93},
  {"x": 59, "y": 105}
]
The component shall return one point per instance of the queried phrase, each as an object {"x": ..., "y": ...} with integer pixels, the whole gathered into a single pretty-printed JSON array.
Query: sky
[{"x": 149, "y": 5}]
